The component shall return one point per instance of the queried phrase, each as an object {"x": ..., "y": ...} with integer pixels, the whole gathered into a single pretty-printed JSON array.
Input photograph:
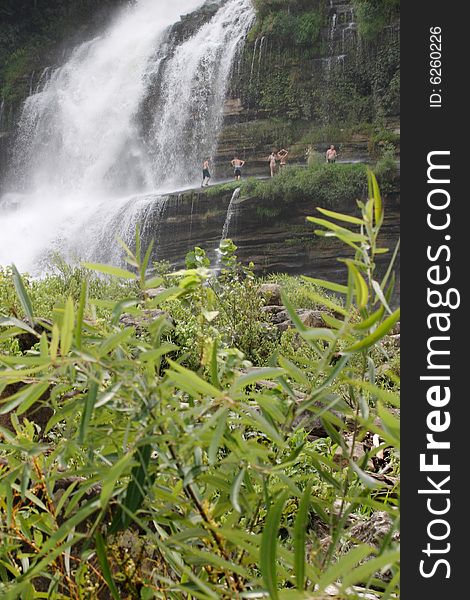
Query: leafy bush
[{"x": 151, "y": 480}]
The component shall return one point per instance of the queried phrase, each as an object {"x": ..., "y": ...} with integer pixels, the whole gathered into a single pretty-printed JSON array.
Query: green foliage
[
  {"x": 386, "y": 169},
  {"x": 149, "y": 479},
  {"x": 329, "y": 185},
  {"x": 31, "y": 32},
  {"x": 295, "y": 22},
  {"x": 374, "y": 15}
]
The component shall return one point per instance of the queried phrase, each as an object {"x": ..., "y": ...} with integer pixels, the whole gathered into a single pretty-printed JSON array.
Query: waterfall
[
  {"x": 231, "y": 210},
  {"x": 194, "y": 86},
  {"x": 83, "y": 170}
]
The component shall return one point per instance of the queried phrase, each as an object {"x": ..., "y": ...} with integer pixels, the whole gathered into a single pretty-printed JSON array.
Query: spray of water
[
  {"x": 83, "y": 172},
  {"x": 194, "y": 87}
]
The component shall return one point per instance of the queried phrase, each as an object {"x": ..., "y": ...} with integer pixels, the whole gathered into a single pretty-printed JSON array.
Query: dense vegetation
[
  {"x": 335, "y": 186},
  {"x": 33, "y": 31},
  {"x": 298, "y": 21},
  {"x": 162, "y": 438}
]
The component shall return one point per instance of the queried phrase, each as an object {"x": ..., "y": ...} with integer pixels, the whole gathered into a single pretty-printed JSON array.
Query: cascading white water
[
  {"x": 194, "y": 86},
  {"x": 232, "y": 210},
  {"x": 83, "y": 172}
]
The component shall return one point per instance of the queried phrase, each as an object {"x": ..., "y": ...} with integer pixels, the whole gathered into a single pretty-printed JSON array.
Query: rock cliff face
[
  {"x": 276, "y": 241},
  {"x": 287, "y": 94}
]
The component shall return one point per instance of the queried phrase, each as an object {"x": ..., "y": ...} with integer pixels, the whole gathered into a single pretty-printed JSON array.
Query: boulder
[{"x": 272, "y": 293}]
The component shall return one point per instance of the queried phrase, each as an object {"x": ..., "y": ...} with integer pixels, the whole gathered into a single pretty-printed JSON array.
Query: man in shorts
[
  {"x": 331, "y": 154},
  {"x": 237, "y": 165}
]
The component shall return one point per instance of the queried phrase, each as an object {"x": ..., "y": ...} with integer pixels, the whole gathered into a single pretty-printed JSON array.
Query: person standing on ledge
[
  {"x": 237, "y": 165},
  {"x": 272, "y": 163},
  {"x": 331, "y": 154},
  {"x": 205, "y": 174},
  {"x": 282, "y": 156}
]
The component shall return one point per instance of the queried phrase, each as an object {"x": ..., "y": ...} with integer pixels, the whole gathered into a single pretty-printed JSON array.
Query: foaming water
[
  {"x": 194, "y": 86},
  {"x": 83, "y": 172}
]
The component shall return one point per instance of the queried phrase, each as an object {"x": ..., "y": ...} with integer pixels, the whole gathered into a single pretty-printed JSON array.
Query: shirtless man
[
  {"x": 205, "y": 174},
  {"x": 237, "y": 165},
  {"x": 282, "y": 156},
  {"x": 272, "y": 162},
  {"x": 331, "y": 154}
]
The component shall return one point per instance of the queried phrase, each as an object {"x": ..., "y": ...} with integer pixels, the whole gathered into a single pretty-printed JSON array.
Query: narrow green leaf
[
  {"x": 300, "y": 533},
  {"x": 191, "y": 382},
  {"x": 340, "y": 216},
  {"x": 217, "y": 436},
  {"x": 268, "y": 548},
  {"x": 256, "y": 374},
  {"x": 235, "y": 490},
  {"x": 105, "y": 568},
  {"x": 378, "y": 334},
  {"x": 23, "y": 295},
  {"x": 88, "y": 411},
  {"x": 27, "y": 398},
  {"x": 328, "y": 285},
  {"x": 370, "y": 321},
  {"x": 80, "y": 314},
  {"x": 344, "y": 565},
  {"x": 66, "y": 333},
  {"x": 110, "y": 270}
]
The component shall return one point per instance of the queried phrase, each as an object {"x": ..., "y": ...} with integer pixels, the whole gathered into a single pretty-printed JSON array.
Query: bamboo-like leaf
[
  {"x": 217, "y": 436},
  {"x": 362, "y": 291},
  {"x": 378, "y": 207},
  {"x": 370, "y": 321},
  {"x": 191, "y": 382},
  {"x": 368, "y": 481},
  {"x": 54, "y": 341},
  {"x": 12, "y": 322},
  {"x": 80, "y": 314},
  {"x": 90, "y": 401},
  {"x": 268, "y": 548},
  {"x": 235, "y": 490},
  {"x": 327, "y": 285},
  {"x": 380, "y": 295},
  {"x": 255, "y": 374},
  {"x": 112, "y": 477},
  {"x": 300, "y": 532},
  {"x": 389, "y": 422},
  {"x": 340, "y": 216},
  {"x": 344, "y": 565},
  {"x": 153, "y": 282},
  {"x": 337, "y": 229},
  {"x": 378, "y": 334},
  {"x": 23, "y": 295},
  {"x": 105, "y": 568},
  {"x": 363, "y": 572},
  {"x": 68, "y": 322},
  {"x": 136, "y": 489},
  {"x": 25, "y": 399},
  {"x": 110, "y": 270}
]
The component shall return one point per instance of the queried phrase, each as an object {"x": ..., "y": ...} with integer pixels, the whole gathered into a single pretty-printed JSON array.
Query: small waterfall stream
[
  {"x": 231, "y": 212},
  {"x": 84, "y": 171}
]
